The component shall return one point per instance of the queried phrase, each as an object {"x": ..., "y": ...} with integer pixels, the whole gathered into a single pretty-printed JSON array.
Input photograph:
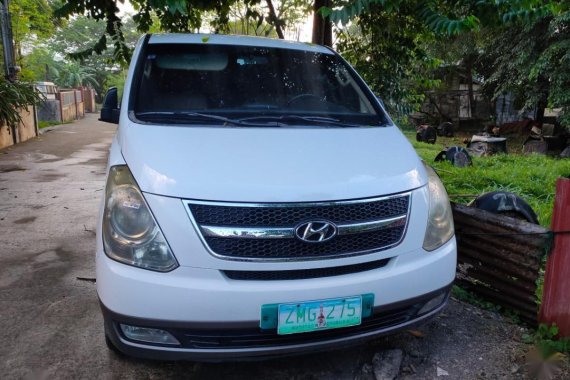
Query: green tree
[
  {"x": 174, "y": 16},
  {"x": 389, "y": 50},
  {"x": 79, "y": 34},
  {"x": 531, "y": 61},
  {"x": 398, "y": 42},
  {"x": 40, "y": 65},
  {"x": 73, "y": 74},
  {"x": 449, "y": 16},
  {"x": 31, "y": 19},
  {"x": 15, "y": 95}
]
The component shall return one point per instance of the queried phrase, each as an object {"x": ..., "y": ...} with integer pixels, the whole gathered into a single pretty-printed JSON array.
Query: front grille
[
  {"x": 302, "y": 274},
  {"x": 293, "y": 214},
  {"x": 287, "y": 248},
  {"x": 254, "y": 337},
  {"x": 363, "y": 226}
]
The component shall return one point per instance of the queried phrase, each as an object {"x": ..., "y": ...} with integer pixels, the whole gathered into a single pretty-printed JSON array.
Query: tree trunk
[
  {"x": 322, "y": 27},
  {"x": 540, "y": 108},
  {"x": 543, "y": 102},
  {"x": 276, "y": 23}
]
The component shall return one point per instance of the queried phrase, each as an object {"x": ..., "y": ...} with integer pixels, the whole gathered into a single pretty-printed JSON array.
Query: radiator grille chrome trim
[
  {"x": 279, "y": 233},
  {"x": 288, "y": 233}
]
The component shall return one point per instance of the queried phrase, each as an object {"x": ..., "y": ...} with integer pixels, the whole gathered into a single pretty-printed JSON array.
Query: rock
[
  {"x": 387, "y": 363},
  {"x": 367, "y": 373},
  {"x": 441, "y": 372},
  {"x": 415, "y": 353}
]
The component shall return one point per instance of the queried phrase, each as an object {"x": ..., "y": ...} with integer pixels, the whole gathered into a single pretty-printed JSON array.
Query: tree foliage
[
  {"x": 15, "y": 95},
  {"x": 389, "y": 49},
  {"x": 31, "y": 19},
  {"x": 520, "y": 46},
  {"x": 448, "y": 16},
  {"x": 180, "y": 16},
  {"x": 531, "y": 60},
  {"x": 173, "y": 15},
  {"x": 49, "y": 60}
]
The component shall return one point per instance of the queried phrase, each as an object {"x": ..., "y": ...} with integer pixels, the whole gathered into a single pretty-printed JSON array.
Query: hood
[{"x": 270, "y": 164}]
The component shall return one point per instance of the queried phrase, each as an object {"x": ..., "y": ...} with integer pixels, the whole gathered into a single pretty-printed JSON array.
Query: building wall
[
  {"x": 25, "y": 130},
  {"x": 5, "y": 136},
  {"x": 89, "y": 99}
]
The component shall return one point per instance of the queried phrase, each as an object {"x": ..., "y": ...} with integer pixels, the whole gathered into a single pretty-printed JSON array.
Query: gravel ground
[{"x": 464, "y": 342}]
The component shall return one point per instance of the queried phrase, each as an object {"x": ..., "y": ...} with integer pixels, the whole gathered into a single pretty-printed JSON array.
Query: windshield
[{"x": 248, "y": 85}]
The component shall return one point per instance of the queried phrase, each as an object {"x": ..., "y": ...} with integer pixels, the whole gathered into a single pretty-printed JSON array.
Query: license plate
[{"x": 309, "y": 316}]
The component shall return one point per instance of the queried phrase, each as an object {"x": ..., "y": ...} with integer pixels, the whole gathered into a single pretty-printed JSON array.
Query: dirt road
[{"x": 51, "y": 327}]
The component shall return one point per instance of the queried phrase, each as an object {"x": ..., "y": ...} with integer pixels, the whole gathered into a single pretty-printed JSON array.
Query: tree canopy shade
[
  {"x": 389, "y": 49},
  {"x": 441, "y": 16},
  {"x": 532, "y": 61},
  {"x": 449, "y": 16},
  {"x": 173, "y": 15},
  {"x": 517, "y": 46},
  {"x": 30, "y": 19}
]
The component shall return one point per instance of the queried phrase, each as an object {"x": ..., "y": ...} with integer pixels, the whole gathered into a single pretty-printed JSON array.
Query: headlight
[
  {"x": 440, "y": 218},
  {"x": 130, "y": 233}
]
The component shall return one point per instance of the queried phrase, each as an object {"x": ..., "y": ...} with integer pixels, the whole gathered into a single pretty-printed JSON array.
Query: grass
[
  {"x": 45, "y": 124},
  {"x": 532, "y": 178}
]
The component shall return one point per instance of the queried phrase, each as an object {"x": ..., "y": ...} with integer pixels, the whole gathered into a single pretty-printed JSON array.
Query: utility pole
[{"x": 10, "y": 67}]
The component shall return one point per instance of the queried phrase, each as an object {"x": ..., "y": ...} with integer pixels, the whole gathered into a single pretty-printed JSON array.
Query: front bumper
[
  {"x": 216, "y": 318},
  {"x": 245, "y": 340}
]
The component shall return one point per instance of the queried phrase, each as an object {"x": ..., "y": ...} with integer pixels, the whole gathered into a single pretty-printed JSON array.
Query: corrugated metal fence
[{"x": 499, "y": 258}]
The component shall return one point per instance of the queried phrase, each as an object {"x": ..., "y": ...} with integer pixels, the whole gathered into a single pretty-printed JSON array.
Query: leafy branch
[{"x": 14, "y": 96}]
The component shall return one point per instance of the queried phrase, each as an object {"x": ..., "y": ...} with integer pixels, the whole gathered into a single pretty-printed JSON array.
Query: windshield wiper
[
  {"x": 188, "y": 117},
  {"x": 310, "y": 120}
]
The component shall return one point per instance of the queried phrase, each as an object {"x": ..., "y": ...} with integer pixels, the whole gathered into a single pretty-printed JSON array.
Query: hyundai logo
[{"x": 316, "y": 232}]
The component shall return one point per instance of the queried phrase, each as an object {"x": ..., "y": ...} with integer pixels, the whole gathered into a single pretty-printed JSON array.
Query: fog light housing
[
  {"x": 149, "y": 335},
  {"x": 433, "y": 304}
]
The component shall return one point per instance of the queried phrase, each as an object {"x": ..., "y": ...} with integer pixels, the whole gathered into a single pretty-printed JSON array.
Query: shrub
[{"x": 14, "y": 95}]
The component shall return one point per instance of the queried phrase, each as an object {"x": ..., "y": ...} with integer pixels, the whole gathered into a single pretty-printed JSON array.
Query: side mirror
[{"x": 110, "y": 110}]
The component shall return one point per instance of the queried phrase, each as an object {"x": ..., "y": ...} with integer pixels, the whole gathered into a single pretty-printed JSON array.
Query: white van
[{"x": 261, "y": 202}]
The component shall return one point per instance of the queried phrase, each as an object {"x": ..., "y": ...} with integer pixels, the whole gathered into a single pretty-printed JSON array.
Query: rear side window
[{"x": 241, "y": 81}]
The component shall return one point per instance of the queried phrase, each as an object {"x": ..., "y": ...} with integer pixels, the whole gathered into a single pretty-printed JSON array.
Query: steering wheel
[{"x": 303, "y": 96}]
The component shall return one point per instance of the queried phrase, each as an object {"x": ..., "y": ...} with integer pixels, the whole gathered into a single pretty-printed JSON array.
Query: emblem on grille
[{"x": 316, "y": 232}]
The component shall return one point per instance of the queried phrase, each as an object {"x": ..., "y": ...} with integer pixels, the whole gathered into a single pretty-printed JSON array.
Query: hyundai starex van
[{"x": 260, "y": 202}]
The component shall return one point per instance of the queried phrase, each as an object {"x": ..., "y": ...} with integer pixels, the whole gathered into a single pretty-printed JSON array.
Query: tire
[
  {"x": 458, "y": 156},
  {"x": 505, "y": 203},
  {"x": 427, "y": 135},
  {"x": 445, "y": 129}
]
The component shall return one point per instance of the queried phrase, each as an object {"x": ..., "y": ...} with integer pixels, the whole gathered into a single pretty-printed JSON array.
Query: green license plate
[{"x": 309, "y": 316}]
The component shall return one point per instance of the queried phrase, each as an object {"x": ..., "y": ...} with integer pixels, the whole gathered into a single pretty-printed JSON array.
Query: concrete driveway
[{"x": 51, "y": 327}]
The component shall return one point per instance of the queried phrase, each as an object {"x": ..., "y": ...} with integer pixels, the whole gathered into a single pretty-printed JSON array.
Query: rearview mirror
[{"x": 110, "y": 110}]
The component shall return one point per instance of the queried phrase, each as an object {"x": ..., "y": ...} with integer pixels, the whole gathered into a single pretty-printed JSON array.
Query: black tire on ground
[
  {"x": 458, "y": 156},
  {"x": 445, "y": 129},
  {"x": 427, "y": 135},
  {"x": 505, "y": 203}
]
